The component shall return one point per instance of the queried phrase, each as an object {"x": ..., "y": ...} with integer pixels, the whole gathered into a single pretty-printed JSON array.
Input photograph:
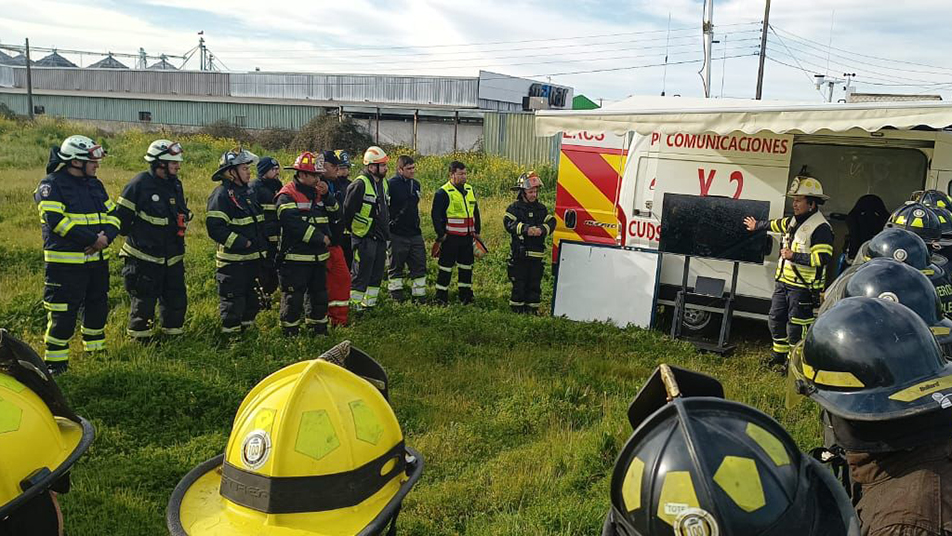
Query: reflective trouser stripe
[
  {"x": 465, "y": 266},
  {"x": 55, "y": 306},
  {"x": 516, "y": 303},
  {"x": 294, "y": 324},
  {"x": 533, "y": 305},
  {"x": 311, "y": 321},
  {"x": 781, "y": 346},
  {"x": 139, "y": 333},
  {"x": 464, "y": 285},
  {"x": 57, "y": 355},
  {"x": 370, "y": 298},
  {"x": 441, "y": 287},
  {"x": 395, "y": 283},
  {"x": 232, "y": 329},
  {"x": 247, "y": 323},
  {"x": 94, "y": 346},
  {"x": 419, "y": 286},
  {"x": 446, "y": 268},
  {"x": 341, "y": 303},
  {"x": 93, "y": 332},
  {"x": 173, "y": 331},
  {"x": 49, "y": 339},
  {"x": 356, "y": 297}
]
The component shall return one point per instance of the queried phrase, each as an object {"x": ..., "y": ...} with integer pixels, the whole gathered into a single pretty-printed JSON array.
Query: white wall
[{"x": 432, "y": 138}]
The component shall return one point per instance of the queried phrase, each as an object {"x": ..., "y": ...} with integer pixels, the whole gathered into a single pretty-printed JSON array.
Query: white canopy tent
[{"x": 645, "y": 115}]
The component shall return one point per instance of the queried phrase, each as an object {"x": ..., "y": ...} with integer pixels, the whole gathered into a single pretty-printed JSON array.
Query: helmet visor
[{"x": 96, "y": 152}]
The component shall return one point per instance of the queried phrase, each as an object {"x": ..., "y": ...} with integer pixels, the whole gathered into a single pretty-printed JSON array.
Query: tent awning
[{"x": 724, "y": 116}]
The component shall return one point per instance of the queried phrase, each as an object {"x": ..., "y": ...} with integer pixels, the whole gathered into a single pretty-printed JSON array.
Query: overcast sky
[{"x": 603, "y": 49}]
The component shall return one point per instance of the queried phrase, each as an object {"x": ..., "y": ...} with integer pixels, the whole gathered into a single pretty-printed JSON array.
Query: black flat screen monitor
[{"x": 712, "y": 227}]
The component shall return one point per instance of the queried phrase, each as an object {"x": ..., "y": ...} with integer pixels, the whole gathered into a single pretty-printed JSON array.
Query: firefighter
[
  {"x": 697, "y": 464},
  {"x": 154, "y": 217},
  {"x": 338, "y": 188},
  {"x": 807, "y": 248},
  {"x": 292, "y": 469},
  {"x": 265, "y": 188},
  {"x": 367, "y": 217},
  {"x": 338, "y": 271},
  {"x": 407, "y": 249},
  {"x": 235, "y": 221},
  {"x": 40, "y": 438},
  {"x": 528, "y": 222},
  {"x": 886, "y": 392},
  {"x": 78, "y": 223},
  {"x": 455, "y": 215},
  {"x": 306, "y": 214}
]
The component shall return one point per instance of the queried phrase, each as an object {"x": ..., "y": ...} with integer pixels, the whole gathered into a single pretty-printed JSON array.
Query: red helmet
[{"x": 309, "y": 162}]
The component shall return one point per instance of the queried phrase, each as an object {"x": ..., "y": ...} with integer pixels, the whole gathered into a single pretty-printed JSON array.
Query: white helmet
[
  {"x": 80, "y": 148},
  {"x": 164, "y": 150},
  {"x": 375, "y": 155}
]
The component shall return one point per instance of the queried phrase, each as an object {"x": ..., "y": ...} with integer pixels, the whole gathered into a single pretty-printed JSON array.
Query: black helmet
[
  {"x": 900, "y": 244},
  {"x": 892, "y": 280},
  {"x": 945, "y": 221},
  {"x": 917, "y": 218},
  {"x": 875, "y": 367},
  {"x": 703, "y": 465},
  {"x": 933, "y": 198}
]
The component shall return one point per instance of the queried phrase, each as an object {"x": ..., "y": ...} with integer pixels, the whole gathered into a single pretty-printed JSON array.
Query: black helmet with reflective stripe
[
  {"x": 889, "y": 279},
  {"x": 933, "y": 198},
  {"x": 699, "y": 464},
  {"x": 900, "y": 244},
  {"x": 875, "y": 367},
  {"x": 917, "y": 218}
]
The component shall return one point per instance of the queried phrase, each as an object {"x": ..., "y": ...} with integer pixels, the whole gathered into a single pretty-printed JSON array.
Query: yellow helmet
[
  {"x": 375, "y": 155},
  {"x": 40, "y": 437},
  {"x": 808, "y": 186},
  {"x": 315, "y": 449}
]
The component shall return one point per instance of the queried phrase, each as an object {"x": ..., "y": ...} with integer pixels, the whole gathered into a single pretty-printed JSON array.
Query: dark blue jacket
[{"x": 73, "y": 211}]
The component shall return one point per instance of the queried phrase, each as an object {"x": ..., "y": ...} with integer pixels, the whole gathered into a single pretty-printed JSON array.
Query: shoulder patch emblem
[
  {"x": 45, "y": 190},
  {"x": 155, "y": 197}
]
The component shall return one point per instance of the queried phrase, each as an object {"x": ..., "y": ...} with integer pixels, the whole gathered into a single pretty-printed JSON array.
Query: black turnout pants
[
  {"x": 297, "y": 280},
  {"x": 149, "y": 283}
]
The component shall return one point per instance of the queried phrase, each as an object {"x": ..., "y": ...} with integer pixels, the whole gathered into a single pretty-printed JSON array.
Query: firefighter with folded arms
[
  {"x": 78, "y": 222},
  {"x": 305, "y": 212},
  {"x": 265, "y": 188},
  {"x": 528, "y": 222},
  {"x": 235, "y": 221},
  {"x": 154, "y": 217},
  {"x": 338, "y": 270},
  {"x": 807, "y": 248},
  {"x": 455, "y": 216},
  {"x": 367, "y": 216}
]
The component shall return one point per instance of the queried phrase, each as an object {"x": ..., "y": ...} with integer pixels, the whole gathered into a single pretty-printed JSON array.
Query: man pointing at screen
[{"x": 807, "y": 248}]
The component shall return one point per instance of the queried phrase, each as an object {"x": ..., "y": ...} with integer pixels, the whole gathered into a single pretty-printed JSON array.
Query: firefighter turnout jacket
[
  {"x": 264, "y": 192},
  {"x": 153, "y": 215},
  {"x": 73, "y": 211},
  {"x": 810, "y": 237},
  {"x": 235, "y": 221},
  {"x": 305, "y": 220},
  {"x": 519, "y": 217}
]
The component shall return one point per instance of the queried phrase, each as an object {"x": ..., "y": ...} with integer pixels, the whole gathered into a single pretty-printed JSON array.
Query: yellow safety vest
[
  {"x": 812, "y": 276},
  {"x": 363, "y": 219},
  {"x": 460, "y": 214}
]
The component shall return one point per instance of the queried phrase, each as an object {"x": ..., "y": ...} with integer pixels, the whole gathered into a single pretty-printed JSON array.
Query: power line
[
  {"x": 581, "y": 56},
  {"x": 489, "y": 43},
  {"x": 823, "y": 48},
  {"x": 867, "y": 82},
  {"x": 885, "y": 78}
]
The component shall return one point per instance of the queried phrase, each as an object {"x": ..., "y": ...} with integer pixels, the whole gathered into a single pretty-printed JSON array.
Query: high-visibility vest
[
  {"x": 460, "y": 219},
  {"x": 812, "y": 276},
  {"x": 364, "y": 218}
]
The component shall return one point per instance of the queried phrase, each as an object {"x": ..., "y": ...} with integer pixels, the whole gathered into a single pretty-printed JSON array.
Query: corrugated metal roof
[
  {"x": 162, "y": 65},
  {"x": 384, "y": 89},
  {"x": 153, "y": 83},
  {"x": 889, "y": 97},
  {"x": 108, "y": 62},
  {"x": 54, "y": 60}
]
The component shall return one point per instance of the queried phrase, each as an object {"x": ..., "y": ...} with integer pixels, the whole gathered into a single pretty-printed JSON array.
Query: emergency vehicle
[{"x": 618, "y": 162}]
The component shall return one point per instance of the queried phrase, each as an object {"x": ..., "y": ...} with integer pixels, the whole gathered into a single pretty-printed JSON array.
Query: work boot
[
  {"x": 319, "y": 329},
  {"x": 57, "y": 367},
  {"x": 518, "y": 309},
  {"x": 442, "y": 298},
  {"x": 777, "y": 361},
  {"x": 290, "y": 332},
  {"x": 397, "y": 296}
]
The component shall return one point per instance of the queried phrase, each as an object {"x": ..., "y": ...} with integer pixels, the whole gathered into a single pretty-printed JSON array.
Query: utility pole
[
  {"x": 29, "y": 80},
  {"x": 763, "y": 52},
  {"x": 708, "y": 28},
  {"x": 201, "y": 50}
]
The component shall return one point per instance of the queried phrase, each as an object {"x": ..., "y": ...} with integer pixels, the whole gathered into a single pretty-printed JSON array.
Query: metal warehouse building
[{"x": 433, "y": 114}]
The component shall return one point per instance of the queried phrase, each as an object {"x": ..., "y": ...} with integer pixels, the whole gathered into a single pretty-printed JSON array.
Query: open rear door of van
[{"x": 586, "y": 200}]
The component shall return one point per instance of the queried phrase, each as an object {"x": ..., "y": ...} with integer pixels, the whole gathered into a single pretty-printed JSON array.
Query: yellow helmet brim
[{"x": 197, "y": 508}]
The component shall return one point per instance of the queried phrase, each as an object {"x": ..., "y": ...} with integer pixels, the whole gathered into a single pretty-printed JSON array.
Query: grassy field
[{"x": 519, "y": 418}]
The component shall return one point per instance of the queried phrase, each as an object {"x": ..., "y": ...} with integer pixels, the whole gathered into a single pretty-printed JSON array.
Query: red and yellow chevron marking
[{"x": 588, "y": 181}]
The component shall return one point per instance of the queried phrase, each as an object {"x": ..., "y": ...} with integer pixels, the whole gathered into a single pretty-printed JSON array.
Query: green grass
[{"x": 519, "y": 419}]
